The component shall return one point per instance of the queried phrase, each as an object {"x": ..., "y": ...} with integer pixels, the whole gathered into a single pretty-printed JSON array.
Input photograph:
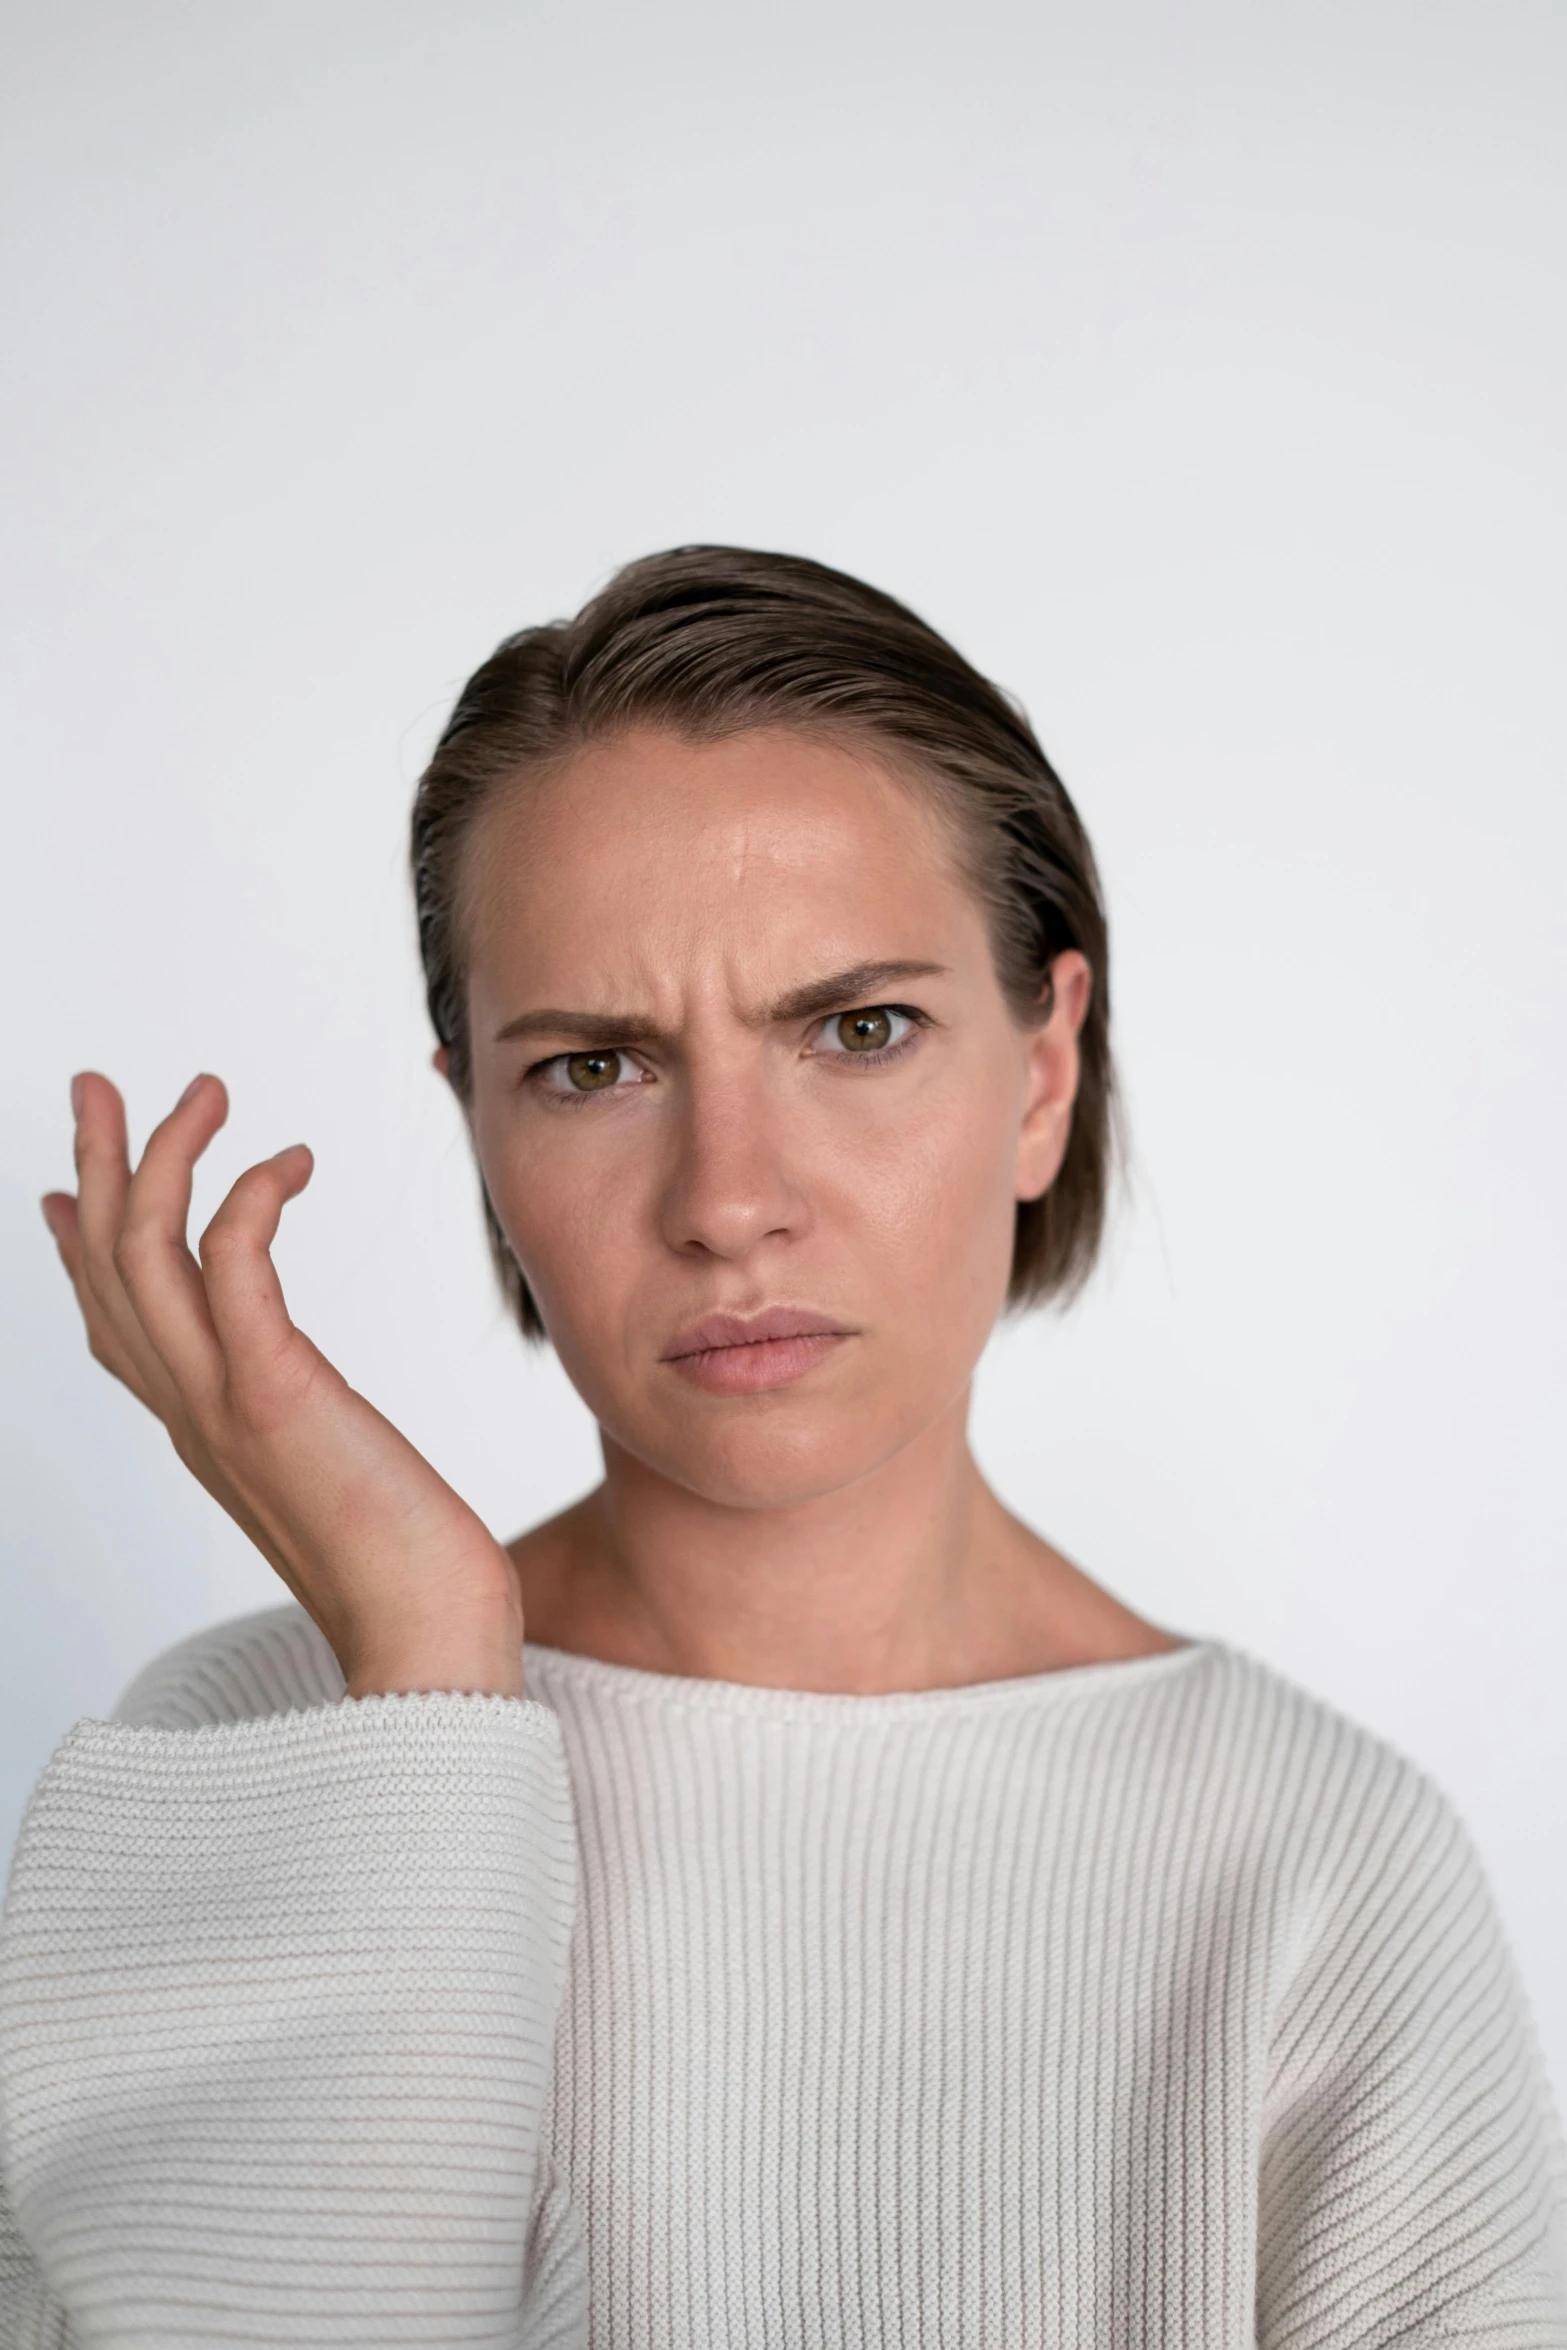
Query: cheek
[
  {"x": 561, "y": 1206},
  {"x": 929, "y": 1196}
]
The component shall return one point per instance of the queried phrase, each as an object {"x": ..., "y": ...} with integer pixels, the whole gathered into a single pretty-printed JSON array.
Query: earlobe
[
  {"x": 1053, "y": 1070},
  {"x": 1047, "y": 1118},
  {"x": 1041, "y": 1152},
  {"x": 441, "y": 1061}
]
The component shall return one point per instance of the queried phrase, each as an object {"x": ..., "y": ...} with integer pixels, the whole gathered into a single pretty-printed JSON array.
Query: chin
[{"x": 769, "y": 1459}]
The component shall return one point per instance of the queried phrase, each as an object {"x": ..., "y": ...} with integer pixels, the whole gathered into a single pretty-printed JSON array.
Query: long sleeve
[
  {"x": 279, "y": 2003},
  {"x": 1150, "y": 2005},
  {"x": 1411, "y": 2188}
]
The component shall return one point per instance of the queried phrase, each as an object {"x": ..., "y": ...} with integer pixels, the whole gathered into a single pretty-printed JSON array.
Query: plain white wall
[{"x": 1199, "y": 370}]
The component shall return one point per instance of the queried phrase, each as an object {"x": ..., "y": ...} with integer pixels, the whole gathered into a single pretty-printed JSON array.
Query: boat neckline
[{"x": 694, "y": 1692}]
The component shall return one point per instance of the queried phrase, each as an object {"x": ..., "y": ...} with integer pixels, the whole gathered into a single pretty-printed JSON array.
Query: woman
[{"x": 843, "y": 1922}]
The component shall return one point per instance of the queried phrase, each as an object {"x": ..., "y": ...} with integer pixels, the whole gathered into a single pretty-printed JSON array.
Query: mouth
[{"x": 732, "y": 1354}]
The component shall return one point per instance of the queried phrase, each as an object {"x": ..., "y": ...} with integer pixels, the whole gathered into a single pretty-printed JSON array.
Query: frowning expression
[{"x": 749, "y": 1102}]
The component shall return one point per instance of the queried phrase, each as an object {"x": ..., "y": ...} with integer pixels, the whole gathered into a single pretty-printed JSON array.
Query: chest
[{"x": 906, "y": 2047}]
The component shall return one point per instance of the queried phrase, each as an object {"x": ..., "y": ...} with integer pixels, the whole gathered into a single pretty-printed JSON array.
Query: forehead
[{"x": 649, "y": 856}]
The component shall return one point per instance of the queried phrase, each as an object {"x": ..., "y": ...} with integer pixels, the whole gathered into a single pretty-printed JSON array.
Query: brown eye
[
  {"x": 592, "y": 1072},
  {"x": 865, "y": 1032}
]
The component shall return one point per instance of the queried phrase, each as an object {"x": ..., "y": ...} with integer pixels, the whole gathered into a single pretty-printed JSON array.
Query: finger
[
  {"x": 103, "y": 1341},
  {"x": 59, "y": 1209},
  {"x": 151, "y": 1256},
  {"x": 244, "y": 1294},
  {"x": 103, "y": 1174}
]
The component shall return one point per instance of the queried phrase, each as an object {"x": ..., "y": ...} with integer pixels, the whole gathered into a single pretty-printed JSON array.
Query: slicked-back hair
[{"x": 709, "y": 642}]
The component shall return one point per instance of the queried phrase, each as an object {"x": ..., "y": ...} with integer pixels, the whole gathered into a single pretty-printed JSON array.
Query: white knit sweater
[{"x": 1147, "y": 2006}]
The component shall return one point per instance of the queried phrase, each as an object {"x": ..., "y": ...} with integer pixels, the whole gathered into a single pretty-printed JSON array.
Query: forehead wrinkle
[
  {"x": 717, "y": 938},
  {"x": 829, "y": 991}
]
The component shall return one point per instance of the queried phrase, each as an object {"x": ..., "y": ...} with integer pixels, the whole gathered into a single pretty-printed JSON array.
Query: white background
[{"x": 1200, "y": 370}]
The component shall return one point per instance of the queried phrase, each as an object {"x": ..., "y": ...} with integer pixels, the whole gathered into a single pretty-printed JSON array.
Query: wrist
[{"x": 476, "y": 1659}]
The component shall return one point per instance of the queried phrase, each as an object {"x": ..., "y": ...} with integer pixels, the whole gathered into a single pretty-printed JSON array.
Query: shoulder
[
  {"x": 274, "y": 1662},
  {"x": 1378, "y": 1896},
  {"x": 1280, "y": 1783}
]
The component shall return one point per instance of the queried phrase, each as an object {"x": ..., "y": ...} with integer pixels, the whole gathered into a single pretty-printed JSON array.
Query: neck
[{"x": 913, "y": 1577}]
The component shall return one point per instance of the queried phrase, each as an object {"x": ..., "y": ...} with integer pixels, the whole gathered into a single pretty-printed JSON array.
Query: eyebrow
[{"x": 835, "y": 992}]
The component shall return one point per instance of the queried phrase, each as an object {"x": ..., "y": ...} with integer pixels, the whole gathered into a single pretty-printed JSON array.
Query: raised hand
[{"x": 407, "y": 1584}]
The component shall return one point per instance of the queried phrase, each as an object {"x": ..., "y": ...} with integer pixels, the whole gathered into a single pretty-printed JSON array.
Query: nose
[{"x": 728, "y": 1190}]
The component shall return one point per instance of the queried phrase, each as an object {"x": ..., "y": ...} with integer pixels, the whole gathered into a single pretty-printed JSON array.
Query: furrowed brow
[
  {"x": 586, "y": 1027},
  {"x": 842, "y": 988},
  {"x": 832, "y": 993}
]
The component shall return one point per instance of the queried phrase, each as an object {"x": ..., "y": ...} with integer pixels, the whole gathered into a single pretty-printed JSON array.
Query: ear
[
  {"x": 441, "y": 1062},
  {"x": 1052, "y": 1070}
]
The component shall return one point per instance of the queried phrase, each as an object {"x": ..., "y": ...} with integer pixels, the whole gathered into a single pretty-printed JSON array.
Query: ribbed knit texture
[{"x": 1148, "y": 2006}]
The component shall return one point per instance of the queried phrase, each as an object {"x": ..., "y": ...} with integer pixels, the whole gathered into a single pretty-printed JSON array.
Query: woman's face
[{"x": 739, "y": 1051}]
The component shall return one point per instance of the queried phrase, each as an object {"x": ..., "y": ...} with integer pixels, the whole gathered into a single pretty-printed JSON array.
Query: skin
[{"x": 700, "y": 917}]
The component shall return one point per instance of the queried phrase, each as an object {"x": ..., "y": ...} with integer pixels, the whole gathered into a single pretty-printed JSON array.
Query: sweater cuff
[{"x": 279, "y": 2000}]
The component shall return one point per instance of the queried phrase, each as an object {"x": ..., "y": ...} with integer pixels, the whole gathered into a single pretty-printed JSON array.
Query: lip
[{"x": 735, "y": 1354}]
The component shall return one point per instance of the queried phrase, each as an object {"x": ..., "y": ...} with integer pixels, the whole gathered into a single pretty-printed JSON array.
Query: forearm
[{"x": 279, "y": 2004}]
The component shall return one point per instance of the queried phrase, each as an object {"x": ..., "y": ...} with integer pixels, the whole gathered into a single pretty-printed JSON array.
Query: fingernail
[
  {"x": 189, "y": 1090},
  {"x": 76, "y": 1097}
]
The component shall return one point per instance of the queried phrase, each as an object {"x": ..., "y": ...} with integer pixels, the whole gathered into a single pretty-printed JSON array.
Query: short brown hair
[{"x": 713, "y": 641}]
